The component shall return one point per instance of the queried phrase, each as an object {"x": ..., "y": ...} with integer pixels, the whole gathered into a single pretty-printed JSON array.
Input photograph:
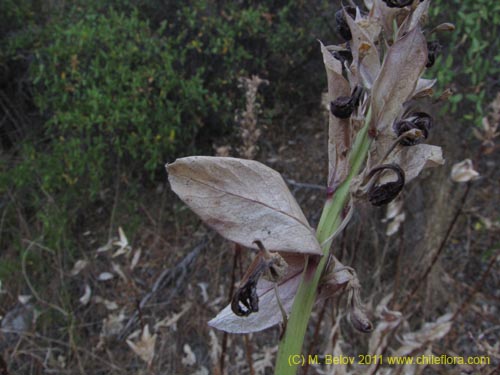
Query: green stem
[{"x": 289, "y": 358}]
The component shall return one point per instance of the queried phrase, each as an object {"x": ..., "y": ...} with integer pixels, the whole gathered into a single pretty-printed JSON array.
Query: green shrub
[
  {"x": 476, "y": 41},
  {"x": 115, "y": 93}
]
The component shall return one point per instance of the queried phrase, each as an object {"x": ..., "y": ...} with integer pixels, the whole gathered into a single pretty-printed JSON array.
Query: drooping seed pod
[
  {"x": 417, "y": 120},
  {"x": 398, "y": 3},
  {"x": 380, "y": 195},
  {"x": 433, "y": 49},
  {"x": 246, "y": 296},
  {"x": 342, "y": 27},
  {"x": 343, "y": 106}
]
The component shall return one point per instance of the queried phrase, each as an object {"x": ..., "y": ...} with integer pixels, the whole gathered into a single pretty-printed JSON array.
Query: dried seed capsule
[
  {"x": 380, "y": 195},
  {"x": 397, "y": 3},
  {"x": 246, "y": 296},
  {"x": 433, "y": 48},
  {"x": 417, "y": 120},
  {"x": 342, "y": 27},
  {"x": 343, "y": 106}
]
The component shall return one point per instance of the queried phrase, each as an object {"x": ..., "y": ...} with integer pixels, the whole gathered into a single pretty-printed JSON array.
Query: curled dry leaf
[
  {"x": 145, "y": 347},
  {"x": 78, "y": 267},
  {"x": 189, "y": 358},
  {"x": 85, "y": 299},
  {"x": 244, "y": 201},
  {"x": 398, "y": 77},
  {"x": 464, "y": 171}
]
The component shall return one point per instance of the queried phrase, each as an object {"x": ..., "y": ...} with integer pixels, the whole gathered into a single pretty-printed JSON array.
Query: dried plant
[
  {"x": 247, "y": 120},
  {"x": 376, "y": 145}
]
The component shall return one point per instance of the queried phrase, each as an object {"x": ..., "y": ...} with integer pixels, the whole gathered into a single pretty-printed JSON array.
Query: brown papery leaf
[
  {"x": 402, "y": 67},
  {"x": 244, "y": 201},
  {"x": 339, "y": 131}
]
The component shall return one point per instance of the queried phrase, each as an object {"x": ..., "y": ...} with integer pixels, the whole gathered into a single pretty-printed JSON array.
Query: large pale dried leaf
[
  {"x": 244, "y": 201},
  {"x": 339, "y": 131},
  {"x": 269, "y": 313},
  {"x": 398, "y": 77}
]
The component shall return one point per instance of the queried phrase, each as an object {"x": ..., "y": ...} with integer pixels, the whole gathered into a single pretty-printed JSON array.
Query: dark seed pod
[
  {"x": 342, "y": 27},
  {"x": 433, "y": 49},
  {"x": 397, "y": 3},
  {"x": 343, "y": 106},
  {"x": 417, "y": 120},
  {"x": 343, "y": 56},
  {"x": 246, "y": 296},
  {"x": 422, "y": 121},
  {"x": 380, "y": 195}
]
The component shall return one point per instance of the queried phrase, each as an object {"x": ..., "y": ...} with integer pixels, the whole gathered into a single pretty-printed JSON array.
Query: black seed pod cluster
[
  {"x": 397, "y": 3},
  {"x": 433, "y": 49},
  {"x": 343, "y": 106},
  {"x": 342, "y": 26},
  {"x": 380, "y": 195},
  {"x": 417, "y": 120}
]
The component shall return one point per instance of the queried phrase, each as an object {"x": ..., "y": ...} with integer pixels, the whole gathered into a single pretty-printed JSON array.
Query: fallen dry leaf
[
  {"x": 464, "y": 171},
  {"x": 145, "y": 347}
]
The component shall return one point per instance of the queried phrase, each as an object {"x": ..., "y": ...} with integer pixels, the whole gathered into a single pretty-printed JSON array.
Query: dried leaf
[
  {"x": 105, "y": 276},
  {"x": 189, "y": 358},
  {"x": 366, "y": 60},
  {"x": 464, "y": 171},
  {"x": 106, "y": 247},
  {"x": 171, "y": 321},
  {"x": 122, "y": 243},
  {"x": 85, "y": 299},
  {"x": 415, "y": 158},
  {"x": 402, "y": 67},
  {"x": 244, "y": 201},
  {"x": 135, "y": 259},
  {"x": 424, "y": 87},
  {"x": 394, "y": 225},
  {"x": 110, "y": 305},
  {"x": 145, "y": 347},
  {"x": 339, "y": 131},
  {"x": 413, "y": 342},
  {"x": 78, "y": 267}
]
